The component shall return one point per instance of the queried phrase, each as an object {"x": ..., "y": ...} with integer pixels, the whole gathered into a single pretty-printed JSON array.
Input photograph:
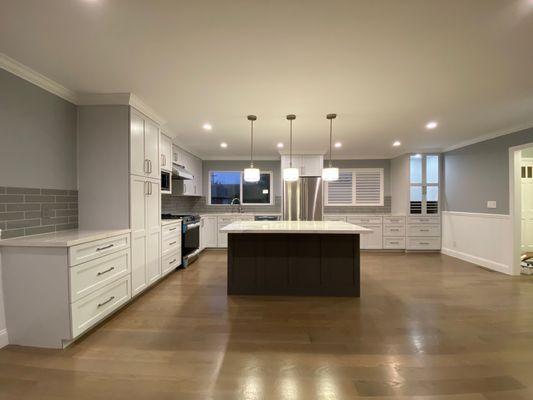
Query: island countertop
[{"x": 324, "y": 227}]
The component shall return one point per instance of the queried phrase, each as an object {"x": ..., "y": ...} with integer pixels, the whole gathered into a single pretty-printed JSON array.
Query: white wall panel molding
[
  {"x": 482, "y": 239},
  {"x": 28, "y": 74}
]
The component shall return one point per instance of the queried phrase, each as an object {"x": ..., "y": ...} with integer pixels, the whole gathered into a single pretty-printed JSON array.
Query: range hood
[{"x": 179, "y": 172}]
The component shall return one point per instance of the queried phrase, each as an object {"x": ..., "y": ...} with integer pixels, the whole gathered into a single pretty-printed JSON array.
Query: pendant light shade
[
  {"x": 291, "y": 174},
  {"x": 330, "y": 173},
  {"x": 251, "y": 174}
]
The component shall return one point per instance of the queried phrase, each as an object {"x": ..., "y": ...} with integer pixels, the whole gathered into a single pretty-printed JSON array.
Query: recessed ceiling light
[
  {"x": 338, "y": 144},
  {"x": 431, "y": 125},
  {"x": 397, "y": 143},
  {"x": 207, "y": 127},
  {"x": 223, "y": 145},
  {"x": 279, "y": 145}
]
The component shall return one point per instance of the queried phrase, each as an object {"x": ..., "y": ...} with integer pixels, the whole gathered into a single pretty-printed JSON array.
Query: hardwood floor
[{"x": 427, "y": 326}]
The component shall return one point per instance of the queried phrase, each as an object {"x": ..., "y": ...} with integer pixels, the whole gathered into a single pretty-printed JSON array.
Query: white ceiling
[{"x": 385, "y": 67}]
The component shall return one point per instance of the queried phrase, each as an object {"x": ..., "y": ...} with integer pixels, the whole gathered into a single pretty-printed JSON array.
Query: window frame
[
  {"x": 354, "y": 202},
  {"x": 241, "y": 193},
  {"x": 424, "y": 185}
]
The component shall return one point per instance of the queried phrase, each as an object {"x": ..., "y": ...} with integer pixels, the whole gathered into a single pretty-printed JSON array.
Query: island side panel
[{"x": 293, "y": 264}]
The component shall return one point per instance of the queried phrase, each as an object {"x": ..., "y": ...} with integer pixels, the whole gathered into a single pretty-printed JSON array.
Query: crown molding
[
  {"x": 488, "y": 136},
  {"x": 239, "y": 158},
  {"x": 28, "y": 74}
]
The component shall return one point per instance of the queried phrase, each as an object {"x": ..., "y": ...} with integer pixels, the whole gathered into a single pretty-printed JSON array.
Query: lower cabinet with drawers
[
  {"x": 55, "y": 290},
  {"x": 396, "y": 232},
  {"x": 170, "y": 247}
]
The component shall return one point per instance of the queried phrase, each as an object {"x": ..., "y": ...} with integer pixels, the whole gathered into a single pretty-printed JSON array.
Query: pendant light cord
[
  {"x": 330, "y": 139},
  {"x": 252, "y": 145},
  {"x": 290, "y": 145}
]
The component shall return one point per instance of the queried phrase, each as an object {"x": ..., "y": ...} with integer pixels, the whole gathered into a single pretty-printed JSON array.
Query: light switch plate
[{"x": 491, "y": 204}]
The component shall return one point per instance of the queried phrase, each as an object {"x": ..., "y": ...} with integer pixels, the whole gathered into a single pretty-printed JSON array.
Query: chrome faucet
[{"x": 236, "y": 202}]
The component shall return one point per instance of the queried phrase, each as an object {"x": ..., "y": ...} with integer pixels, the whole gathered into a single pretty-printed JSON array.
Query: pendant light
[
  {"x": 251, "y": 174},
  {"x": 330, "y": 174},
  {"x": 290, "y": 174}
]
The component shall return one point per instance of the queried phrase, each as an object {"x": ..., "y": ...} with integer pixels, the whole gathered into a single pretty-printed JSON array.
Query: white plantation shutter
[
  {"x": 340, "y": 193},
  {"x": 368, "y": 187}
]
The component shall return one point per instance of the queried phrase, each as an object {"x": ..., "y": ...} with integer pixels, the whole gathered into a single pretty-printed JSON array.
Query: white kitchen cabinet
[
  {"x": 145, "y": 220},
  {"x": 166, "y": 153},
  {"x": 222, "y": 221},
  {"x": 144, "y": 146},
  {"x": 188, "y": 187},
  {"x": 170, "y": 246},
  {"x": 208, "y": 232},
  {"x": 308, "y": 165}
]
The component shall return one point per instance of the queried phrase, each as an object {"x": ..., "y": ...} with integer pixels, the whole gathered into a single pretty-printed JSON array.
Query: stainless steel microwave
[{"x": 166, "y": 182}]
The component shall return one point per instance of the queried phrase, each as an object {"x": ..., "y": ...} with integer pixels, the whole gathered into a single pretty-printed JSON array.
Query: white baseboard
[
  {"x": 483, "y": 262},
  {"x": 3, "y": 338}
]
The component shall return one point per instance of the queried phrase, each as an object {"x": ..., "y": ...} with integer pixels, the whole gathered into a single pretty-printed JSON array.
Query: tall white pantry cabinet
[{"x": 119, "y": 181}]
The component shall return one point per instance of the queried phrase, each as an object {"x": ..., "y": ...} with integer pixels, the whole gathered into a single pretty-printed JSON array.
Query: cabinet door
[
  {"x": 210, "y": 229},
  {"x": 138, "y": 164},
  {"x": 372, "y": 240},
  {"x": 153, "y": 227},
  {"x": 175, "y": 154},
  {"x": 138, "y": 193},
  {"x": 166, "y": 153},
  {"x": 151, "y": 148},
  {"x": 311, "y": 165}
]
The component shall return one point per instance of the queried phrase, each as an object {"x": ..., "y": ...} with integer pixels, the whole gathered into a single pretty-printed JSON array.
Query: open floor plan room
[{"x": 283, "y": 199}]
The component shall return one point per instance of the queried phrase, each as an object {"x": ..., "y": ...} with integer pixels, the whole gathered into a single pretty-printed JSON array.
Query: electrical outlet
[{"x": 491, "y": 204}]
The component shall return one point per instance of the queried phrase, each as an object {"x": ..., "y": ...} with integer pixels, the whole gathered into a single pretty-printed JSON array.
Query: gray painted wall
[
  {"x": 37, "y": 141},
  {"x": 37, "y": 136},
  {"x": 480, "y": 172}
]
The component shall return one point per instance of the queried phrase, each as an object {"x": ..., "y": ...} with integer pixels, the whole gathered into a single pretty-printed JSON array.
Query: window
[
  {"x": 356, "y": 187},
  {"x": 424, "y": 184},
  {"x": 225, "y": 186}
]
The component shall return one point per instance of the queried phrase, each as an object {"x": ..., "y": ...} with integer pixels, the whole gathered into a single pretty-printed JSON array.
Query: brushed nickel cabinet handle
[
  {"x": 171, "y": 243},
  {"x": 172, "y": 229},
  {"x": 146, "y": 167},
  {"x": 173, "y": 261},
  {"x": 105, "y": 272},
  {"x": 105, "y": 302},
  {"x": 105, "y": 247}
]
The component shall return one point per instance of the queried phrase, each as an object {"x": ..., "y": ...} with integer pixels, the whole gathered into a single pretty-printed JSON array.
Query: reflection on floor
[{"x": 426, "y": 325}]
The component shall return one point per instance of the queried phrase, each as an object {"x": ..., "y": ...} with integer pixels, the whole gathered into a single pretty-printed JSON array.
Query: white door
[
  {"x": 138, "y": 192},
  {"x": 166, "y": 153},
  {"x": 137, "y": 160},
  {"x": 153, "y": 226},
  {"x": 151, "y": 148},
  {"x": 527, "y": 205}
]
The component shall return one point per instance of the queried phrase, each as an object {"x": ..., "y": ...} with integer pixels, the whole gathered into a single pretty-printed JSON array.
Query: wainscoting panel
[{"x": 482, "y": 239}]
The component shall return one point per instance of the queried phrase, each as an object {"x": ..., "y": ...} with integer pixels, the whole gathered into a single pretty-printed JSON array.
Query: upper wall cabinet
[
  {"x": 308, "y": 165},
  {"x": 190, "y": 187},
  {"x": 166, "y": 153},
  {"x": 144, "y": 146}
]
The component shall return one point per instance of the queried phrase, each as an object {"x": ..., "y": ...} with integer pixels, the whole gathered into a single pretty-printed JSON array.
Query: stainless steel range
[{"x": 190, "y": 236}]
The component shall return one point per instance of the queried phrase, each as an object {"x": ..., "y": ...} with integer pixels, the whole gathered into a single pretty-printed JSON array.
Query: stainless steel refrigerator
[{"x": 302, "y": 199}]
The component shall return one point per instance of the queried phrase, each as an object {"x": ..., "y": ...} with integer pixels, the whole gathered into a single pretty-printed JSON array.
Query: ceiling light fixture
[
  {"x": 279, "y": 145},
  {"x": 223, "y": 145},
  {"x": 330, "y": 173},
  {"x": 207, "y": 127},
  {"x": 251, "y": 174},
  {"x": 397, "y": 143},
  {"x": 431, "y": 125},
  {"x": 338, "y": 145},
  {"x": 290, "y": 174}
]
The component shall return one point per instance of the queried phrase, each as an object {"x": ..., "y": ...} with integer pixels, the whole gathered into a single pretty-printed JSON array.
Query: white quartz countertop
[
  {"x": 294, "y": 227},
  {"x": 67, "y": 238}
]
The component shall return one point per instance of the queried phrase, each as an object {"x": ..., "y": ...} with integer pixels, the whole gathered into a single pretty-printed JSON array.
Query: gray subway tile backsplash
[{"x": 32, "y": 211}]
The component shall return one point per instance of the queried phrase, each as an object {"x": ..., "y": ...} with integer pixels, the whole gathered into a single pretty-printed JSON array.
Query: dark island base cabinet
[{"x": 293, "y": 264}]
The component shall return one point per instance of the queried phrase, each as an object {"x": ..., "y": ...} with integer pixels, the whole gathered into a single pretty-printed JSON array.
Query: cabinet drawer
[
  {"x": 90, "y": 276},
  {"x": 170, "y": 245},
  {"x": 394, "y": 243},
  {"x": 423, "y": 220},
  {"x": 363, "y": 220},
  {"x": 334, "y": 218},
  {"x": 394, "y": 220},
  {"x": 425, "y": 243},
  {"x": 171, "y": 230},
  {"x": 423, "y": 230},
  {"x": 394, "y": 230},
  {"x": 93, "y": 308},
  {"x": 170, "y": 262},
  {"x": 89, "y": 251}
]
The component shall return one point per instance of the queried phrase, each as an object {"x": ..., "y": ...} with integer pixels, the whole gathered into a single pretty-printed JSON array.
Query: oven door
[
  {"x": 166, "y": 182},
  {"x": 190, "y": 242}
]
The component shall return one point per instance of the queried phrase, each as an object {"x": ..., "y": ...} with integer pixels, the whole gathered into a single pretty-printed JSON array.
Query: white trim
[
  {"x": 28, "y": 74},
  {"x": 4, "y": 340},
  {"x": 469, "y": 214},
  {"x": 492, "y": 135},
  {"x": 494, "y": 266},
  {"x": 240, "y": 158}
]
